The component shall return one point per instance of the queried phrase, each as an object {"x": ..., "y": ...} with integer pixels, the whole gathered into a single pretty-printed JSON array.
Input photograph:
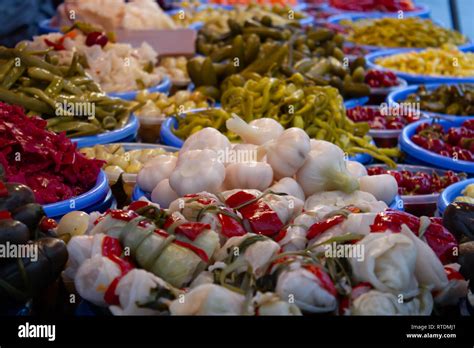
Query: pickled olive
[{"x": 445, "y": 99}]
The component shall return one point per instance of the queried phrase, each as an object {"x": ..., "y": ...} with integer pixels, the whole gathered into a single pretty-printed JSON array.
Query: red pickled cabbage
[{"x": 47, "y": 162}]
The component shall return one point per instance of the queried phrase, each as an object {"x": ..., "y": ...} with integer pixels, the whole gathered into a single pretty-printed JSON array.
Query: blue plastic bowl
[
  {"x": 418, "y": 155},
  {"x": 450, "y": 193},
  {"x": 163, "y": 87},
  {"x": 397, "y": 203},
  {"x": 138, "y": 193},
  {"x": 358, "y": 16},
  {"x": 45, "y": 27},
  {"x": 125, "y": 134},
  {"x": 401, "y": 94},
  {"x": 91, "y": 198},
  {"x": 166, "y": 134},
  {"x": 422, "y": 11},
  {"x": 352, "y": 103},
  {"x": 414, "y": 78}
]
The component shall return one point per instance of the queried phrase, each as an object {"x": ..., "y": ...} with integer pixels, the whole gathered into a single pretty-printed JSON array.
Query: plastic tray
[
  {"x": 127, "y": 133},
  {"x": 450, "y": 194},
  {"x": 418, "y": 205},
  {"x": 413, "y": 78},
  {"x": 400, "y": 95},
  {"x": 431, "y": 159},
  {"x": 89, "y": 199},
  {"x": 163, "y": 87}
]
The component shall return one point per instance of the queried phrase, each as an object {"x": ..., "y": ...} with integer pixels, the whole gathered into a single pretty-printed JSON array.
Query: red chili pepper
[
  {"x": 5, "y": 215},
  {"x": 111, "y": 246},
  {"x": 125, "y": 265},
  {"x": 324, "y": 279},
  {"x": 58, "y": 46},
  {"x": 230, "y": 227},
  {"x": 192, "y": 230},
  {"x": 170, "y": 220},
  {"x": 162, "y": 233},
  {"x": 126, "y": 215},
  {"x": 440, "y": 240},
  {"x": 281, "y": 235},
  {"x": 137, "y": 205},
  {"x": 201, "y": 199},
  {"x": 110, "y": 297},
  {"x": 199, "y": 252},
  {"x": 322, "y": 226},
  {"x": 453, "y": 274},
  {"x": 3, "y": 190},
  {"x": 260, "y": 216},
  {"x": 47, "y": 224}
]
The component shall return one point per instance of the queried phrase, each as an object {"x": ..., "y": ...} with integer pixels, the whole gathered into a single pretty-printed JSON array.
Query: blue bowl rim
[
  {"x": 425, "y": 156},
  {"x": 87, "y": 199},
  {"x": 351, "y": 103},
  {"x": 164, "y": 87},
  {"x": 370, "y": 58},
  {"x": 394, "y": 96},
  {"x": 109, "y": 137},
  {"x": 449, "y": 194}
]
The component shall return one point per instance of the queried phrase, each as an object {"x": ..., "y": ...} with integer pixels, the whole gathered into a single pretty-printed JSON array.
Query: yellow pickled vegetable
[
  {"x": 407, "y": 32},
  {"x": 446, "y": 61}
]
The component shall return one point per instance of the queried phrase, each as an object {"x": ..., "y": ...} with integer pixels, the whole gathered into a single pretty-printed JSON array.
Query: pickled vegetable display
[
  {"x": 47, "y": 162},
  {"x": 373, "y": 5},
  {"x": 116, "y": 67},
  {"x": 118, "y": 160},
  {"x": 64, "y": 95},
  {"x": 445, "y": 99},
  {"x": 280, "y": 51},
  {"x": 395, "y": 32},
  {"x": 319, "y": 110},
  {"x": 456, "y": 142},
  {"x": 432, "y": 62},
  {"x": 216, "y": 19},
  {"x": 159, "y": 105}
]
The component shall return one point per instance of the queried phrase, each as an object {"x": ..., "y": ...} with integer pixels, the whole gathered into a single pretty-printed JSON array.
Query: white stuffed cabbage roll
[
  {"x": 94, "y": 277},
  {"x": 270, "y": 303},
  {"x": 337, "y": 199},
  {"x": 307, "y": 286},
  {"x": 137, "y": 288},
  {"x": 388, "y": 264},
  {"x": 251, "y": 249},
  {"x": 209, "y": 299}
]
